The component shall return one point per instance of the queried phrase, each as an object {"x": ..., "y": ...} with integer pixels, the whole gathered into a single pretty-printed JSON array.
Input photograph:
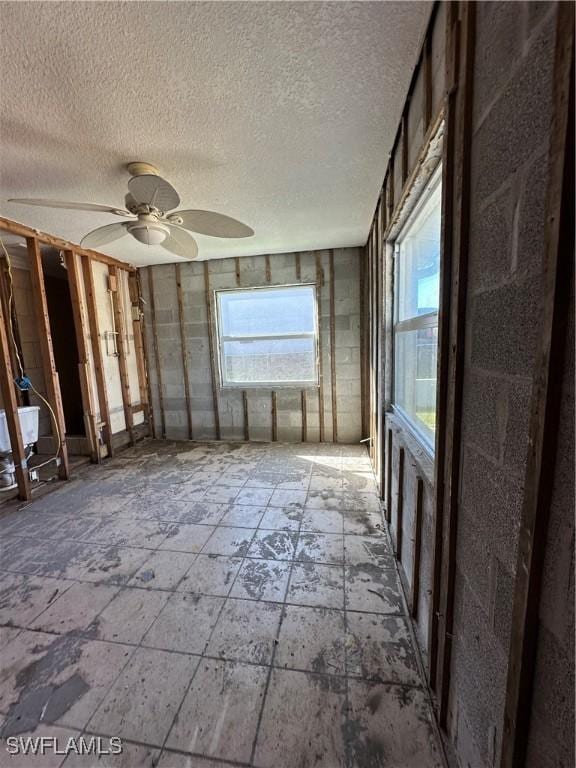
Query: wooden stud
[
  {"x": 237, "y": 265},
  {"x": 246, "y": 421},
  {"x": 427, "y": 82},
  {"x": 268, "y": 270},
  {"x": 363, "y": 352},
  {"x": 8, "y": 390},
  {"x": 389, "y": 448},
  {"x": 156, "y": 351},
  {"x": 211, "y": 347},
  {"x": 84, "y": 368},
  {"x": 298, "y": 267},
  {"x": 51, "y": 381},
  {"x": 303, "y": 403},
  {"x": 416, "y": 548},
  {"x": 274, "y": 417},
  {"x": 14, "y": 340},
  {"x": 319, "y": 283},
  {"x": 184, "y": 349},
  {"x": 119, "y": 322},
  {"x": 139, "y": 343},
  {"x": 15, "y": 228},
  {"x": 463, "y": 44},
  {"x": 93, "y": 326},
  {"x": 404, "y": 145},
  {"x": 400, "y": 505},
  {"x": 333, "y": 350},
  {"x": 546, "y": 400}
]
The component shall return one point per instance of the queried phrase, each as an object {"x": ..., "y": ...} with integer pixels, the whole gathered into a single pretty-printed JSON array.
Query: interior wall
[
  {"x": 262, "y": 415},
  {"x": 512, "y": 82}
]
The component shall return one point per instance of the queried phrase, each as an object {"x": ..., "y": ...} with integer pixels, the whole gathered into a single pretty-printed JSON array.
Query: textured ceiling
[{"x": 281, "y": 114}]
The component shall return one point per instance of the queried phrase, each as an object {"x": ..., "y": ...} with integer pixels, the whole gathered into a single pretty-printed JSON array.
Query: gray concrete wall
[
  {"x": 252, "y": 272},
  {"x": 511, "y": 121}
]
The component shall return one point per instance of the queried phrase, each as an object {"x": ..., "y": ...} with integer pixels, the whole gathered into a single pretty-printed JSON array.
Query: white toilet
[{"x": 28, "y": 417}]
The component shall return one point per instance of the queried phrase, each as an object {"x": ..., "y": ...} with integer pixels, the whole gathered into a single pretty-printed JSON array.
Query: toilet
[{"x": 28, "y": 417}]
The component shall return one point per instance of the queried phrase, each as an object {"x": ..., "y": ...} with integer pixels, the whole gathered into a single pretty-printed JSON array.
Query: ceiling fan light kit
[{"x": 149, "y": 200}]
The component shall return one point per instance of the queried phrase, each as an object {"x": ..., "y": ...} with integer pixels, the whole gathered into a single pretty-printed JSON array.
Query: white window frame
[
  {"x": 274, "y": 385},
  {"x": 417, "y": 322}
]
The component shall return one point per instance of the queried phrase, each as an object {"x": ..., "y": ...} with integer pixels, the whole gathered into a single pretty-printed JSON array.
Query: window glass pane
[
  {"x": 276, "y": 360},
  {"x": 419, "y": 260},
  {"x": 415, "y": 354},
  {"x": 263, "y": 312}
]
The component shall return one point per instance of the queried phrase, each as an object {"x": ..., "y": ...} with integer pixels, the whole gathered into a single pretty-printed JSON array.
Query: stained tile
[
  {"x": 373, "y": 589},
  {"x": 312, "y": 584},
  {"x": 129, "y": 615},
  {"x": 229, "y": 541},
  {"x": 211, "y": 575},
  {"x": 391, "y": 725},
  {"x": 220, "y": 494},
  {"x": 253, "y": 496},
  {"x": 226, "y": 693},
  {"x": 363, "y": 521},
  {"x": 162, "y": 570},
  {"x": 143, "y": 702},
  {"x": 380, "y": 648},
  {"x": 243, "y": 516},
  {"x": 273, "y": 545},
  {"x": 171, "y": 759},
  {"x": 185, "y": 623},
  {"x": 75, "y": 609},
  {"x": 321, "y": 548},
  {"x": 23, "y": 598},
  {"x": 262, "y": 580},
  {"x": 132, "y": 756},
  {"x": 312, "y": 639},
  {"x": 245, "y": 631},
  {"x": 368, "y": 549},
  {"x": 187, "y": 537},
  {"x": 288, "y": 499},
  {"x": 51, "y": 758},
  {"x": 321, "y": 521},
  {"x": 303, "y": 722},
  {"x": 279, "y": 519},
  {"x": 113, "y": 565}
]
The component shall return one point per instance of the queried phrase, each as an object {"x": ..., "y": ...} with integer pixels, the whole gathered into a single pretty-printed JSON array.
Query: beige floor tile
[
  {"x": 246, "y": 631},
  {"x": 312, "y": 639},
  {"x": 185, "y": 623}
]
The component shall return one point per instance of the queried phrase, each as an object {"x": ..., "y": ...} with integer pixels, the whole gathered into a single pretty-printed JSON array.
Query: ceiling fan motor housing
[{"x": 148, "y": 230}]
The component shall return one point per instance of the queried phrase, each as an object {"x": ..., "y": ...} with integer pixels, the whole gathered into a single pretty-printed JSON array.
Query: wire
[{"x": 20, "y": 365}]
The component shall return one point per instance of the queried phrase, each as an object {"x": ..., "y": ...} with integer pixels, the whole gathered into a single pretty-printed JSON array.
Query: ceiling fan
[{"x": 148, "y": 202}]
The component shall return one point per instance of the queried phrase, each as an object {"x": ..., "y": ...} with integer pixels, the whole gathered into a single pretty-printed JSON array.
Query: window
[
  {"x": 267, "y": 336},
  {"x": 416, "y": 297}
]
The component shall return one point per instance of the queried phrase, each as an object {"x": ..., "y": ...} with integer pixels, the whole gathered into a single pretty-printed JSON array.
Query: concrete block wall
[
  {"x": 252, "y": 272},
  {"x": 511, "y": 119}
]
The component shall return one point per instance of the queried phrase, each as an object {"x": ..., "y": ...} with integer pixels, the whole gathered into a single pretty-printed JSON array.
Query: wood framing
[
  {"x": 274, "y": 413},
  {"x": 304, "y": 416},
  {"x": 10, "y": 401},
  {"x": 298, "y": 267},
  {"x": 120, "y": 324},
  {"x": 546, "y": 399},
  {"x": 84, "y": 367},
  {"x": 186, "y": 377},
  {"x": 462, "y": 18},
  {"x": 246, "y": 419},
  {"x": 400, "y": 504},
  {"x": 333, "y": 350},
  {"x": 51, "y": 381},
  {"x": 389, "y": 447},
  {"x": 140, "y": 346},
  {"x": 416, "y": 548},
  {"x": 15, "y": 228},
  {"x": 97, "y": 353},
  {"x": 212, "y": 348},
  {"x": 156, "y": 352},
  {"x": 319, "y": 284}
]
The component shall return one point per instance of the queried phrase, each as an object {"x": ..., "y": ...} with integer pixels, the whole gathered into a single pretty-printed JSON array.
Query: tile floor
[{"x": 210, "y": 605}]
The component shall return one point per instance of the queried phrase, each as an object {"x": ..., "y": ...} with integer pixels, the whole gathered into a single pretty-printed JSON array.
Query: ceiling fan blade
[
  {"x": 213, "y": 224},
  {"x": 104, "y": 235},
  {"x": 155, "y": 191},
  {"x": 72, "y": 206},
  {"x": 180, "y": 243}
]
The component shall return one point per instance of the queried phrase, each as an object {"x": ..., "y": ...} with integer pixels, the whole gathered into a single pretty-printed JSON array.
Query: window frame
[
  {"x": 268, "y": 385},
  {"x": 416, "y": 322}
]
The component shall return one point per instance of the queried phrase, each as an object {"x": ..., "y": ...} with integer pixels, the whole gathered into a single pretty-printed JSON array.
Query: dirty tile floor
[{"x": 212, "y": 604}]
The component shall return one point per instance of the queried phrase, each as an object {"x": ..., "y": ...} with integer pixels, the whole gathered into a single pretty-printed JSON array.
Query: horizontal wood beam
[{"x": 15, "y": 228}]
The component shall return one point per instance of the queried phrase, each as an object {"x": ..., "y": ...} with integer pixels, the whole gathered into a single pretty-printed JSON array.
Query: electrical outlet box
[{"x": 34, "y": 477}]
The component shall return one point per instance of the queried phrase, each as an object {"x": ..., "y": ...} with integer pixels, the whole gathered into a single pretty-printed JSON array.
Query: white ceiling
[{"x": 281, "y": 114}]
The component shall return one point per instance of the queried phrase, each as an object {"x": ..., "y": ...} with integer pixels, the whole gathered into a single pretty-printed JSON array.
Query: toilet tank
[{"x": 28, "y": 417}]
